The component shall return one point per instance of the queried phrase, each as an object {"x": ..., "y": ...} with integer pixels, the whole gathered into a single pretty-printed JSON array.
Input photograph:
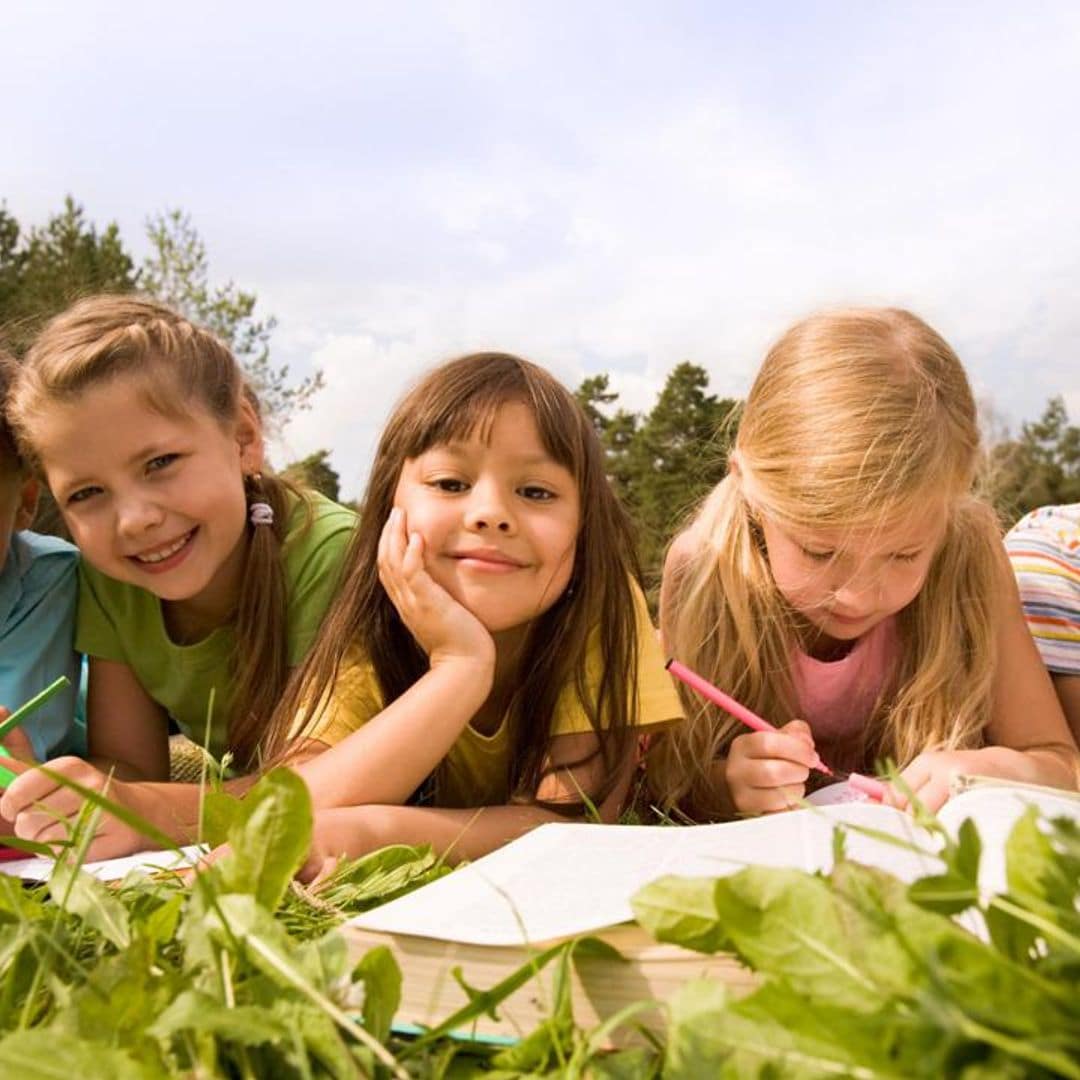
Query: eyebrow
[
  {"x": 461, "y": 449},
  {"x": 148, "y": 451}
]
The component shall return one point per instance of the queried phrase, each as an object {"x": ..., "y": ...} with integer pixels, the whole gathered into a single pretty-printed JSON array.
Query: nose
[
  {"x": 489, "y": 510},
  {"x": 136, "y": 515},
  {"x": 859, "y": 589}
]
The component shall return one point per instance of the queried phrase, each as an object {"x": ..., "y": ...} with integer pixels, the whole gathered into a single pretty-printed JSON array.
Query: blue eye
[
  {"x": 81, "y": 495},
  {"x": 156, "y": 464}
]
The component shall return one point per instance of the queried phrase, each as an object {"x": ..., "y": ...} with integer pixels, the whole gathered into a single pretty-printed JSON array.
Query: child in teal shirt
[{"x": 38, "y": 590}]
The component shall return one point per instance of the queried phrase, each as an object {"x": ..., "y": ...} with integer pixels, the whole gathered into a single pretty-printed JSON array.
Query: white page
[
  {"x": 996, "y": 809},
  {"x": 40, "y": 869},
  {"x": 560, "y": 880}
]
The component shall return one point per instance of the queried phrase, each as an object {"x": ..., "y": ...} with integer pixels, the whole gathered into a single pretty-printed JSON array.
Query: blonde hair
[
  {"x": 856, "y": 418},
  {"x": 182, "y": 366}
]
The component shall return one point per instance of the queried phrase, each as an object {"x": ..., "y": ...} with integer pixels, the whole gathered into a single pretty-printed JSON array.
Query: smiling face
[
  {"x": 151, "y": 499},
  {"x": 843, "y": 582},
  {"x": 499, "y": 518}
]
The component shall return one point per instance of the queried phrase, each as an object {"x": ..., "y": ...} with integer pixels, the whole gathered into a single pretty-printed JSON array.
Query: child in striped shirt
[{"x": 1044, "y": 548}]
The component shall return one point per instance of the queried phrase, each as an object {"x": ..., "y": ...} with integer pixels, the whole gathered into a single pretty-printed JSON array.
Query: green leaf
[
  {"x": 948, "y": 893},
  {"x": 270, "y": 839},
  {"x": 198, "y": 1012},
  {"x": 80, "y": 893},
  {"x": 381, "y": 976},
  {"x": 49, "y": 1055},
  {"x": 220, "y": 811},
  {"x": 682, "y": 910}
]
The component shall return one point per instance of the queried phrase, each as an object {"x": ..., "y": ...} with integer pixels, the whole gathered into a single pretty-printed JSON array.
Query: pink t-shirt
[{"x": 836, "y": 697}]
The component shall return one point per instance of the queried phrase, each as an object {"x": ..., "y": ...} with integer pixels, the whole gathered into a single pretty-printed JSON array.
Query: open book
[
  {"x": 36, "y": 868},
  {"x": 560, "y": 881}
]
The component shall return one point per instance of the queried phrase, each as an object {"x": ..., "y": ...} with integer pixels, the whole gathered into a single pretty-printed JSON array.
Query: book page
[
  {"x": 995, "y": 807},
  {"x": 40, "y": 869},
  {"x": 560, "y": 880}
]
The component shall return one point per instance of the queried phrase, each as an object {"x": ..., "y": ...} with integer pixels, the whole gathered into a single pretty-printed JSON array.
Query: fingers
[
  {"x": 767, "y": 771},
  {"x": 40, "y": 807},
  {"x": 928, "y": 777},
  {"x": 18, "y": 745},
  {"x": 317, "y": 868}
]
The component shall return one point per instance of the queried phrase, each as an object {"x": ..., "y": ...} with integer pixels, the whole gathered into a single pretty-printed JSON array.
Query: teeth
[{"x": 161, "y": 556}]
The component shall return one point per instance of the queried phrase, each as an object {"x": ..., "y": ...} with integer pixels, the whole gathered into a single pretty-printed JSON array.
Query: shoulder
[
  {"x": 33, "y": 547},
  {"x": 1049, "y": 532},
  {"x": 44, "y": 561},
  {"x": 313, "y": 514},
  {"x": 317, "y": 527},
  {"x": 682, "y": 551}
]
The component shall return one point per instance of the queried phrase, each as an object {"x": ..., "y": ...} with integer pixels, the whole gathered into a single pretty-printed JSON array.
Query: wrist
[{"x": 473, "y": 668}]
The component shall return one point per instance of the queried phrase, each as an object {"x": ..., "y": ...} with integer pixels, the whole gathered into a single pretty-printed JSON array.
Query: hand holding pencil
[{"x": 766, "y": 769}]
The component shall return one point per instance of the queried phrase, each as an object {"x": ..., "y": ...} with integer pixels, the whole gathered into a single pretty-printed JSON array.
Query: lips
[
  {"x": 164, "y": 556},
  {"x": 487, "y": 557},
  {"x": 841, "y": 618}
]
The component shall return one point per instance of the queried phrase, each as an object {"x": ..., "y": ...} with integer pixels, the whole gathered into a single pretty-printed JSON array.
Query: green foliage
[
  {"x": 662, "y": 463},
  {"x": 244, "y": 975},
  {"x": 315, "y": 472},
  {"x": 44, "y": 270},
  {"x": 177, "y": 271},
  {"x": 864, "y": 976},
  {"x": 1040, "y": 467}
]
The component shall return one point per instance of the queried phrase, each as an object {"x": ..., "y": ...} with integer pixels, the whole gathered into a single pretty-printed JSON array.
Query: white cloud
[{"x": 609, "y": 188}]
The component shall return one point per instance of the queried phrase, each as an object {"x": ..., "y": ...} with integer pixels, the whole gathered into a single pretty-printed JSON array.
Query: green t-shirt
[{"x": 122, "y": 622}]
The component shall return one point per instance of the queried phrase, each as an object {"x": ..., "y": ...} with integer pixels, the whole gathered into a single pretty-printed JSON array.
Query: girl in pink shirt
[{"x": 844, "y": 582}]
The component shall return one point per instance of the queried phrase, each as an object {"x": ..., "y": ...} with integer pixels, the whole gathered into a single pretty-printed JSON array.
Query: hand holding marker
[
  {"x": 20, "y": 714},
  {"x": 868, "y": 786}
]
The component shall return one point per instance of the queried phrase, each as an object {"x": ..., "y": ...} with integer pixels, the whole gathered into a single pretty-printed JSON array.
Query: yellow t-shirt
[{"x": 475, "y": 771}]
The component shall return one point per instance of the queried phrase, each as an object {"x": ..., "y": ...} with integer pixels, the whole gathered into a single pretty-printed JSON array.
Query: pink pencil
[{"x": 874, "y": 789}]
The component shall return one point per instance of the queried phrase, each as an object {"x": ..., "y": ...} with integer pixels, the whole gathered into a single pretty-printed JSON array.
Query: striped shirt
[{"x": 1044, "y": 548}]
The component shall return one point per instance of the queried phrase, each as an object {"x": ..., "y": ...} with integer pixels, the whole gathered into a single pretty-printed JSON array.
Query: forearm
[
  {"x": 121, "y": 770},
  {"x": 454, "y": 834},
  {"x": 174, "y": 809},
  {"x": 386, "y": 759},
  {"x": 1055, "y": 765}
]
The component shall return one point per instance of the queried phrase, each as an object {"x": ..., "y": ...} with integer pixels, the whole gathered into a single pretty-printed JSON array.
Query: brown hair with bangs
[
  {"x": 454, "y": 401},
  {"x": 181, "y": 365}
]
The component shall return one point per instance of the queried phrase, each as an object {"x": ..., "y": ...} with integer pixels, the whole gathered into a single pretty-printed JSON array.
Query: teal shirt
[
  {"x": 119, "y": 621},
  {"x": 38, "y": 590}
]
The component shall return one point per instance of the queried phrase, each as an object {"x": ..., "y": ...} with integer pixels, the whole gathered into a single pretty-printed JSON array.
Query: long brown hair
[
  {"x": 183, "y": 366},
  {"x": 452, "y": 402},
  {"x": 856, "y": 418}
]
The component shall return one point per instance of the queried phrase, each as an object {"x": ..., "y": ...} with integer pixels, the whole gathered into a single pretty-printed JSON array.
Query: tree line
[{"x": 661, "y": 462}]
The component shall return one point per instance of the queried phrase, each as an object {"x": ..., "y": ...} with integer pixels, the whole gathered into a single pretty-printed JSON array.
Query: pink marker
[
  {"x": 867, "y": 785},
  {"x": 729, "y": 704},
  {"x": 872, "y": 789}
]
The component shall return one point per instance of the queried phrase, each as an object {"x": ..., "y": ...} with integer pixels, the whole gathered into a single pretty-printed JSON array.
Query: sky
[{"x": 602, "y": 187}]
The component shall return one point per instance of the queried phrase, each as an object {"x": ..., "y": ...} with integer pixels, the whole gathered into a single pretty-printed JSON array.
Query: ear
[
  {"x": 28, "y": 502},
  {"x": 249, "y": 438},
  {"x": 734, "y": 465}
]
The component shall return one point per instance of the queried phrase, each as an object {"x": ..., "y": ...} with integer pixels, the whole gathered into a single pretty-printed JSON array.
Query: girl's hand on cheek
[
  {"x": 444, "y": 629},
  {"x": 767, "y": 770}
]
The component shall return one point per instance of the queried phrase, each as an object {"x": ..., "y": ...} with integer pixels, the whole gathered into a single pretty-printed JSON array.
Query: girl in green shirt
[{"x": 205, "y": 578}]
